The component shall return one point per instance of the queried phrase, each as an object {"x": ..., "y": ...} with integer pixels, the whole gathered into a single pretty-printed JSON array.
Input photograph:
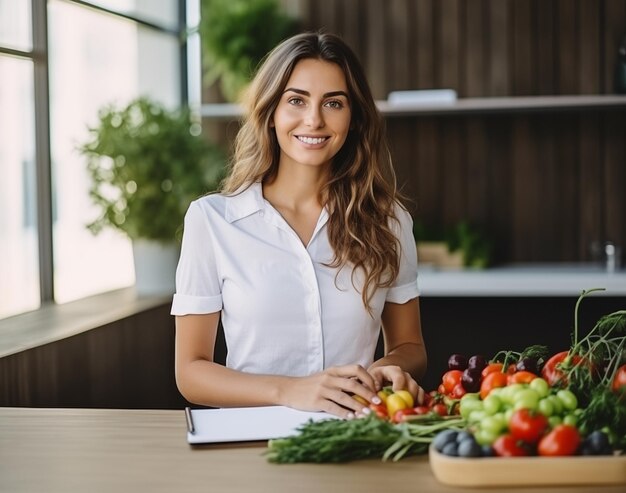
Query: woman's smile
[{"x": 313, "y": 116}]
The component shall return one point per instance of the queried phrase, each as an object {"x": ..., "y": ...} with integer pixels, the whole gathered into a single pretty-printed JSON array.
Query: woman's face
[{"x": 312, "y": 118}]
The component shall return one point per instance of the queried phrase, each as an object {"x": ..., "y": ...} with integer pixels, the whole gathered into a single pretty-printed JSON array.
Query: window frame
[{"x": 43, "y": 163}]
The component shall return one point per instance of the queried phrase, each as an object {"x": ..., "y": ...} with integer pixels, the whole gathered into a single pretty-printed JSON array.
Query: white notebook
[{"x": 242, "y": 424}]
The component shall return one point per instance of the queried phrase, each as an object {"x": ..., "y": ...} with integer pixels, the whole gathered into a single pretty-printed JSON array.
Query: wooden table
[{"x": 94, "y": 450}]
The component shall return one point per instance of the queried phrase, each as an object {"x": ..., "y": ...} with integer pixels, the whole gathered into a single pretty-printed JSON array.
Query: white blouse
[{"x": 283, "y": 310}]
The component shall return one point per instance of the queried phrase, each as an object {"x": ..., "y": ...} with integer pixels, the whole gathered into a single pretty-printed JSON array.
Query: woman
[{"x": 305, "y": 252}]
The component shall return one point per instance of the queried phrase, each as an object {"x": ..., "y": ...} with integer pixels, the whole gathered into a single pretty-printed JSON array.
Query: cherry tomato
[
  {"x": 419, "y": 410},
  {"x": 383, "y": 394},
  {"x": 440, "y": 409},
  {"x": 527, "y": 425},
  {"x": 406, "y": 397},
  {"x": 491, "y": 381},
  {"x": 619, "y": 381},
  {"x": 508, "y": 446},
  {"x": 450, "y": 380},
  {"x": 458, "y": 391},
  {"x": 401, "y": 414},
  {"x": 380, "y": 410},
  {"x": 490, "y": 368},
  {"x": 562, "y": 440},
  {"x": 521, "y": 377},
  {"x": 556, "y": 376},
  {"x": 395, "y": 403}
]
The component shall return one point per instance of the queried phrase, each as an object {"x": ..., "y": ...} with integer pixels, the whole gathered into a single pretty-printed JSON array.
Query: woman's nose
[{"x": 314, "y": 118}]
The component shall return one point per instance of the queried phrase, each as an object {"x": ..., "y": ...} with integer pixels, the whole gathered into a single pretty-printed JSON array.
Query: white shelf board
[{"x": 517, "y": 104}]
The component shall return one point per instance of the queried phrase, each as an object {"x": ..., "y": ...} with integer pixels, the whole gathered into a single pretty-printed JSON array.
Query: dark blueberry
[
  {"x": 487, "y": 451},
  {"x": 471, "y": 379},
  {"x": 457, "y": 362},
  {"x": 443, "y": 438},
  {"x": 469, "y": 448},
  {"x": 598, "y": 443},
  {"x": 451, "y": 448},
  {"x": 477, "y": 361},
  {"x": 463, "y": 435},
  {"x": 527, "y": 364}
]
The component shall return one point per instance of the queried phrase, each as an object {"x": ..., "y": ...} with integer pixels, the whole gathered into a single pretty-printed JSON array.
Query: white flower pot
[{"x": 155, "y": 267}]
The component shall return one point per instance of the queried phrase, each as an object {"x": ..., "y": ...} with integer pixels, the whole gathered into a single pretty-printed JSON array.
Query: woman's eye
[
  {"x": 335, "y": 104},
  {"x": 295, "y": 101}
]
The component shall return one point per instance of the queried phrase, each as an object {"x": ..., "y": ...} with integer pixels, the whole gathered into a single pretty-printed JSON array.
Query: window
[{"x": 115, "y": 51}]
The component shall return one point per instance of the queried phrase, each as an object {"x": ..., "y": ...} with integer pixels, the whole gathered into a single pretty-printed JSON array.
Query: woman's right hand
[{"x": 331, "y": 391}]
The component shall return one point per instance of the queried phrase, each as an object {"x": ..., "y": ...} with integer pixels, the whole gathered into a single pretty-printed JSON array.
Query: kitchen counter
[
  {"x": 521, "y": 280},
  {"x": 96, "y": 450}
]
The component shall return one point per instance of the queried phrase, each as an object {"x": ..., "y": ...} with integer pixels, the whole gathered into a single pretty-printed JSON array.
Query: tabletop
[{"x": 98, "y": 450}]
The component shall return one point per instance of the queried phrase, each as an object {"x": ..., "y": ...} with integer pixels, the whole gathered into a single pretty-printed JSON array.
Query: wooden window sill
[{"x": 54, "y": 322}]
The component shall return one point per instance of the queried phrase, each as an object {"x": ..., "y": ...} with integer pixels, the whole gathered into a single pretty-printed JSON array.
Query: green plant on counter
[
  {"x": 473, "y": 243},
  {"x": 146, "y": 165},
  {"x": 464, "y": 237},
  {"x": 235, "y": 35}
]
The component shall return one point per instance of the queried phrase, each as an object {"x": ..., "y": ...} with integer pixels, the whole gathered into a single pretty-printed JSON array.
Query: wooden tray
[{"x": 527, "y": 471}]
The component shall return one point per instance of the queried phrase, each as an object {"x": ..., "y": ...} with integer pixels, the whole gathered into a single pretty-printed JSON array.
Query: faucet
[{"x": 612, "y": 253}]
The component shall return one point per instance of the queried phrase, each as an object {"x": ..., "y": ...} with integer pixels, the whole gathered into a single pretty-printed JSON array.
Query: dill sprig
[{"x": 337, "y": 440}]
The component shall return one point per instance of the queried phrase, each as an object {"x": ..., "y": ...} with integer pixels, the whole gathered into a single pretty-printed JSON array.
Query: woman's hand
[
  {"x": 398, "y": 379},
  {"x": 331, "y": 391}
]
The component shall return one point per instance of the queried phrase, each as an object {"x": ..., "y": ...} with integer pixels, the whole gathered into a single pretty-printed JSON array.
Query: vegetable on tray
[{"x": 515, "y": 404}]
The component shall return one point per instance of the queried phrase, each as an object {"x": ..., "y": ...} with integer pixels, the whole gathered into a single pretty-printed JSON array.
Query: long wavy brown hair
[{"x": 361, "y": 195}]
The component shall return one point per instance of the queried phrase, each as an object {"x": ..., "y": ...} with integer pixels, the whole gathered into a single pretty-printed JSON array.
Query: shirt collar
[{"x": 245, "y": 203}]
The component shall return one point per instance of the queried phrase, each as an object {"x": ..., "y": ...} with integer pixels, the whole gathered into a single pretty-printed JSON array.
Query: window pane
[
  {"x": 19, "y": 265},
  {"x": 101, "y": 60},
  {"x": 15, "y": 24},
  {"x": 161, "y": 12}
]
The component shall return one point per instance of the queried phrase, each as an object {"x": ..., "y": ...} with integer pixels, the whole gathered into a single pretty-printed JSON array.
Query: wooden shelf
[{"x": 517, "y": 104}]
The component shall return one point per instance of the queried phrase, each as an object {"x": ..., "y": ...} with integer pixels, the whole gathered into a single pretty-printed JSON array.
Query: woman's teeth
[{"x": 312, "y": 140}]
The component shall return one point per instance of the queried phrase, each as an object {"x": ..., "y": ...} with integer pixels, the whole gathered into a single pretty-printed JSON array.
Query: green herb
[
  {"x": 537, "y": 352},
  {"x": 606, "y": 410},
  {"x": 336, "y": 440}
]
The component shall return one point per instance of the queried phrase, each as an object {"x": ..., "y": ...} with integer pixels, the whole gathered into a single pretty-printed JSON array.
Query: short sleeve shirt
[{"x": 284, "y": 310}]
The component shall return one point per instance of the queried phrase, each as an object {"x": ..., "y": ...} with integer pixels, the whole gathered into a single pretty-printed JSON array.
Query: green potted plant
[
  {"x": 235, "y": 35},
  {"x": 146, "y": 164},
  {"x": 464, "y": 245}
]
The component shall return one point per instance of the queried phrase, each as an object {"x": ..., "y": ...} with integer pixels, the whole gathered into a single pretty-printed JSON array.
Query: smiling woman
[{"x": 305, "y": 252}]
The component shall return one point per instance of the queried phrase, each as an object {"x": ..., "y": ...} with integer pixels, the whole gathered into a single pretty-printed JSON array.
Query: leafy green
[
  {"x": 336, "y": 440},
  {"x": 236, "y": 35},
  {"x": 606, "y": 410},
  {"x": 146, "y": 165}
]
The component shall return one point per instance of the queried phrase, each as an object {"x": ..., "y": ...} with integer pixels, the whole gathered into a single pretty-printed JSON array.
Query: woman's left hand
[{"x": 398, "y": 379}]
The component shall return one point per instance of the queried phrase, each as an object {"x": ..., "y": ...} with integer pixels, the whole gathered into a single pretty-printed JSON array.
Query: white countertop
[{"x": 521, "y": 280}]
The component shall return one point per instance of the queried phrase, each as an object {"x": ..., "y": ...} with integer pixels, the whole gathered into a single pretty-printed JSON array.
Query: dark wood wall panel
[
  {"x": 125, "y": 364},
  {"x": 479, "y": 48},
  {"x": 544, "y": 185}
]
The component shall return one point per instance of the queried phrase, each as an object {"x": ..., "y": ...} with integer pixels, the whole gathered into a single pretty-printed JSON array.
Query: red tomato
[
  {"x": 562, "y": 440},
  {"x": 379, "y": 409},
  {"x": 441, "y": 389},
  {"x": 458, "y": 391},
  {"x": 440, "y": 409},
  {"x": 491, "y": 381},
  {"x": 401, "y": 414},
  {"x": 619, "y": 381},
  {"x": 527, "y": 425},
  {"x": 508, "y": 446},
  {"x": 521, "y": 377},
  {"x": 419, "y": 410},
  {"x": 553, "y": 375},
  {"x": 451, "y": 379},
  {"x": 490, "y": 368}
]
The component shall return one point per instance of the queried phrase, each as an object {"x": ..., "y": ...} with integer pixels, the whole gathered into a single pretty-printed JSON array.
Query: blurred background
[{"x": 525, "y": 164}]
